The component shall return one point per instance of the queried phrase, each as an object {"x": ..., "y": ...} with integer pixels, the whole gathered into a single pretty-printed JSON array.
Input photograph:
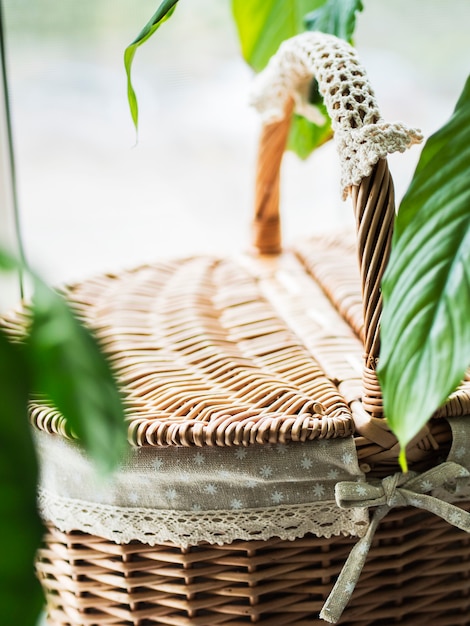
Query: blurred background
[{"x": 92, "y": 200}]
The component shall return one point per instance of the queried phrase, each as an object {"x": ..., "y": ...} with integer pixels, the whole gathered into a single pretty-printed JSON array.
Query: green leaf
[
  {"x": 336, "y": 17},
  {"x": 304, "y": 136},
  {"x": 69, "y": 368},
  {"x": 67, "y": 365},
  {"x": 7, "y": 262},
  {"x": 264, "y": 24},
  {"x": 163, "y": 13},
  {"x": 426, "y": 323},
  {"x": 21, "y": 598}
]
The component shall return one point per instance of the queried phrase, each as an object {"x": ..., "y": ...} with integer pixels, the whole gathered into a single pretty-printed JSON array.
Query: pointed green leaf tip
[
  {"x": 164, "y": 12},
  {"x": 425, "y": 332}
]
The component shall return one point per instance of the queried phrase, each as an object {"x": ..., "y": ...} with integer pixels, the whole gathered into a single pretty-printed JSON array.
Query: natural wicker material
[
  {"x": 91, "y": 581},
  {"x": 374, "y": 208},
  {"x": 417, "y": 573},
  {"x": 248, "y": 352},
  {"x": 258, "y": 369},
  {"x": 205, "y": 359}
]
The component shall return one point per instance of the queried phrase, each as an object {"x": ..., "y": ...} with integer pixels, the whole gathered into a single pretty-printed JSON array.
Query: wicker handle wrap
[
  {"x": 363, "y": 141},
  {"x": 362, "y": 137}
]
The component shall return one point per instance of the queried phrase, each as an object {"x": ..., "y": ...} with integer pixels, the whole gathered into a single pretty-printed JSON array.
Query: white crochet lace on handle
[{"x": 362, "y": 137}]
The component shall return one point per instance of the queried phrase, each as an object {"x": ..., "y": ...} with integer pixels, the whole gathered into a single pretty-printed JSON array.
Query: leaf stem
[{"x": 402, "y": 460}]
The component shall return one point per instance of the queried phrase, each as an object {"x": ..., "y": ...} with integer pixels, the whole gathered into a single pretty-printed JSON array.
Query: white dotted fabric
[
  {"x": 215, "y": 495},
  {"x": 188, "y": 495},
  {"x": 362, "y": 137}
]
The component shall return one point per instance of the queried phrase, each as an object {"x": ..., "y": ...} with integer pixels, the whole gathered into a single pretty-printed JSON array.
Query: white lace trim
[
  {"x": 185, "y": 528},
  {"x": 362, "y": 137}
]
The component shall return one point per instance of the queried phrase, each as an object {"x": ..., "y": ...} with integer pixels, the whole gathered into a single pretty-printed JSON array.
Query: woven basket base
[{"x": 418, "y": 572}]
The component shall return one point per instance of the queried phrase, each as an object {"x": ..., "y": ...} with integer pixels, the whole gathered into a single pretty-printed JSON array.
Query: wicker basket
[{"x": 245, "y": 378}]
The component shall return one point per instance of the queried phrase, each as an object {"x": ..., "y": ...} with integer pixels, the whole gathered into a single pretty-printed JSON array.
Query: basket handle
[{"x": 363, "y": 141}]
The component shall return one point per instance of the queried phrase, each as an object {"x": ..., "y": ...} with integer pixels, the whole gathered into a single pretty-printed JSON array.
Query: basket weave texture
[
  {"x": 271, "y": 351},
  {"x": 416, "y": 574}
]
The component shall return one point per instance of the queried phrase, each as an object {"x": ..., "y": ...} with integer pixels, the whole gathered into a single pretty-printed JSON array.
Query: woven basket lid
[
  {"x": 225, "y": 352},
  {"x": 220, "y": 352}
]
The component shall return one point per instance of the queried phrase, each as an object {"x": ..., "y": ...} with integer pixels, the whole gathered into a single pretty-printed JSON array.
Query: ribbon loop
[{"x": 396, "y": 490}]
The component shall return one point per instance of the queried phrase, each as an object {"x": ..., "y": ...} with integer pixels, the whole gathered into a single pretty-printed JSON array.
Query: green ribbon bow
[{"x": 397, "y": 490}]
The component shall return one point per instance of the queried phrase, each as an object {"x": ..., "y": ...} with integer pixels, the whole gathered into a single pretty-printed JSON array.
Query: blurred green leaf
[
  {"x": 426, "y": 289},
  {"x": 264, "y": 24},
  {"x": 164, "y": 12},
  {"x": 7, "y": 262},
  {"x": 21, "y": 597},
  {"x": 336, "y": 17},
  {"x": 61, "y": 359},
  {"x": 304, "y": 136},
  {"x": 68, "y": 367}
]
